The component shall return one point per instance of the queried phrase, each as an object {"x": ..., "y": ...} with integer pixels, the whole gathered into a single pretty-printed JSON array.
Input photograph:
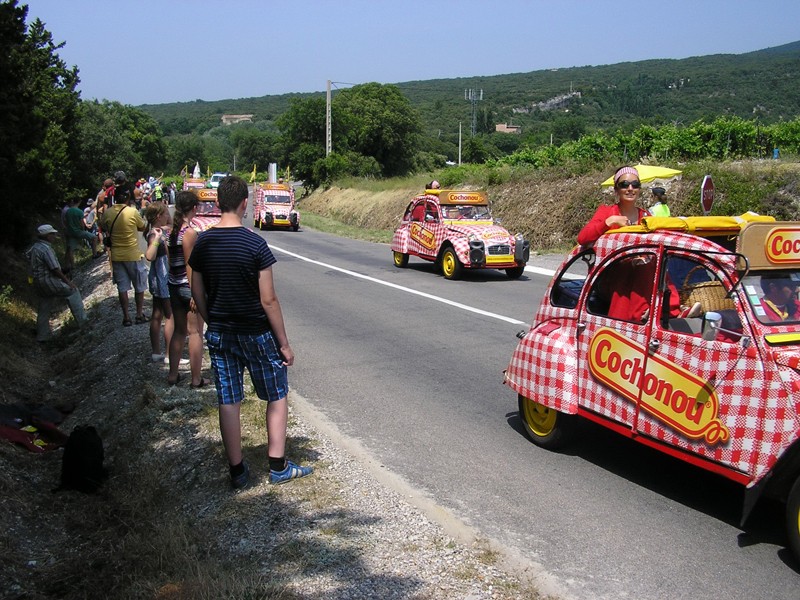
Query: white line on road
[{"x": 403, "y": 288}]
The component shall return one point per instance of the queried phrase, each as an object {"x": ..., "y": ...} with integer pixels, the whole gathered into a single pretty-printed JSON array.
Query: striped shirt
[
  {"x": 230, "y": 260},
  {"x": 177, "y": 262},
  {"x": 43, "y": 262}
]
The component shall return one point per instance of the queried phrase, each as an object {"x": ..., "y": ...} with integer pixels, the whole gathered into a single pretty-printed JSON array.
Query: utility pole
[
  {"x": 328, "y": 136},
  {"x": 474, "y": 96}
]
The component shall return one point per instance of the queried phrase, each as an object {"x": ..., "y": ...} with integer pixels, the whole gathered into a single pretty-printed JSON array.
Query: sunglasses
[{"x": 624, "y": 185}]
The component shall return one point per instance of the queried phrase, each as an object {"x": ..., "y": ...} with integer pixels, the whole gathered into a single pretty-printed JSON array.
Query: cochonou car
[
  {"x": 455, "y": 229},
  {"x": 682, "y": 334},
  {"x": 274, "y": 206}
]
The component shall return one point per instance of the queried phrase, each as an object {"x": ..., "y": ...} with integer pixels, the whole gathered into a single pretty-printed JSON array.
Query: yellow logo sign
[
  {"x": 668, "y": 392},
  {"x": 464, "y": 197},
  {"x": 783, "y": 245},
  {"x": 423, "y": 236},
  {"x": 206, "y": 194}
]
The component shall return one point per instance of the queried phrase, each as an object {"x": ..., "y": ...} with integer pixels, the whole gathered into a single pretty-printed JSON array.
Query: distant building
[
  {"x": 506, "y": 128},
  {"x": 231, "y": 119}
]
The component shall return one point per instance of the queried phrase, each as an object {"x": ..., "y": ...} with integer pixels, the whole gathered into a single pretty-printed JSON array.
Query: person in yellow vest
[{"x": 659, "y": 207}]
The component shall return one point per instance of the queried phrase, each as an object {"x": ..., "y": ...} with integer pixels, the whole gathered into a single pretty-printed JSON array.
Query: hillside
[
  {"x": 550, "y": 206},
  {"x": 763, "y": 84}
]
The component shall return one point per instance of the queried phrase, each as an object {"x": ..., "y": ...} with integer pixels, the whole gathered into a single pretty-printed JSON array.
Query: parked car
[
  {"x": 684, "y": 335},
  {"x": 455, "y": 229}
]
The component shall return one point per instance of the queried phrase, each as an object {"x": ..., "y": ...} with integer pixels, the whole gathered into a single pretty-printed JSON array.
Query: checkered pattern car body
[
  {"x": 208, "y": 212},
  {"x": 431, "y": 225},
  {"x": 727, "y": 402},
  {"x": 274, "y": 206}
]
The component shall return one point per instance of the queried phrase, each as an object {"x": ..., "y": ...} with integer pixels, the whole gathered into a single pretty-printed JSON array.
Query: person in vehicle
[
  {"x": 627, "y": 189},
  {"x": 780, "y": 298},
  {"x": 659, "y": 207}
]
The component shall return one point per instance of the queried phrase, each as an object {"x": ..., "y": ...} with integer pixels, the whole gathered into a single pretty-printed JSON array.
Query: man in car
[{"x": 780, "y": 298}]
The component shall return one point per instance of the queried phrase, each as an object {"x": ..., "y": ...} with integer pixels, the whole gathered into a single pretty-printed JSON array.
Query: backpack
[{"x": 82, "y": 464}]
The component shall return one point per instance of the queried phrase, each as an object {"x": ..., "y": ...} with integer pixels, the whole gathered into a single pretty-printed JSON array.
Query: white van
[{"x": 216, "y": 178}]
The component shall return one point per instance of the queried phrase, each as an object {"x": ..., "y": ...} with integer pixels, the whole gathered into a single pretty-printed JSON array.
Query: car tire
[
  {"x": 515, "y": 272},
  {"x": 451, "y": 266},
  {"x": 400, "y": 259},
  {"x": 544, "y": 426},
  {"x": 793, "y": 518}
]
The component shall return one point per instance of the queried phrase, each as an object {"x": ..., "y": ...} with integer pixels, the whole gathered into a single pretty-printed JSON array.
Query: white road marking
[{"x": 472, "y": 309}]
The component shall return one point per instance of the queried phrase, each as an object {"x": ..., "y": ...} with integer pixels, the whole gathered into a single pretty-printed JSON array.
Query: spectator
[
  {"x": 122, "y": 223},
  {"x": 51, "y": 283},
  {"x": 233, "y": 290},
  {"x": 157, "y": 216},
  {"x": 76, "y": 234},
  {"x": 659, "y": 207},
  {"x": 780, "y": 301},
  {"x": 186, "y": 318}
]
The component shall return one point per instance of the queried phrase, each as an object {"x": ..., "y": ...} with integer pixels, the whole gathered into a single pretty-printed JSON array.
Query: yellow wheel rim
[
  {"x": 449, "y": 263},
  {"x": 540, "y": 420},
  {"x": 398, "y": 259}
]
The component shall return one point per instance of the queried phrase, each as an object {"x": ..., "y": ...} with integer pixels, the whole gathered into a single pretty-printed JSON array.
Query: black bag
[{"x": 82, "y": 465}]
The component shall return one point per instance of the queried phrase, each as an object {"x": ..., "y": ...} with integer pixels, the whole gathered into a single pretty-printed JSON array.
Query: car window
[
  {"x": 624, "y": 288},
  {"x": 774, "y": 296},
  {"x": 699, "y": 292},
  {"x": 567, "y": 288}
]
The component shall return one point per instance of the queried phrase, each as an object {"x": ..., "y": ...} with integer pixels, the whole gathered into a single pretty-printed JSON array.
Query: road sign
[{"x": 707, "y": 194}]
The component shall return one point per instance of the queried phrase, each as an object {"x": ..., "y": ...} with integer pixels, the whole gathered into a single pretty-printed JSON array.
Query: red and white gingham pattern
[
  {"x": 756, "y": 403},
  {"x": 457, "y": 235}
]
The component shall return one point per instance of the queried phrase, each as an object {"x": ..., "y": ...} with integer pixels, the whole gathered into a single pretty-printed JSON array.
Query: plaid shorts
[{"x": 230, "y": 353}]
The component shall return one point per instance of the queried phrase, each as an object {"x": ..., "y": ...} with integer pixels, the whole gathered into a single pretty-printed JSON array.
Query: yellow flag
[
  {"x": 253, "y": 174},
  {"x": 209, "y": 172}
]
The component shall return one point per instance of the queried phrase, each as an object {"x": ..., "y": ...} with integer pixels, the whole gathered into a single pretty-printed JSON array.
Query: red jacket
[{"x": 597, "y": 224}]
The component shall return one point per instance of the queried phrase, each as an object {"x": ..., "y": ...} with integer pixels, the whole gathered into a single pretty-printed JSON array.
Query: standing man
[
  {"x": 233, "y": 290},
  {"x": 659, "y": 207},
  {"x": 50, "y": 283},
  {"x": 76, "y": 234},
  {"x": 122, "y": 223}
]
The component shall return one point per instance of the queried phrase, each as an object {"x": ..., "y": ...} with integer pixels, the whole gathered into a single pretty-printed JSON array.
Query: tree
[
  {"x": 382, "y": 124},
  {"x": 37, "y": 145}
]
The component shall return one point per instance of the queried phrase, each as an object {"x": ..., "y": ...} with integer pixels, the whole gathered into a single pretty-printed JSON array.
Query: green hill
[{"x": 565, "y": 103}]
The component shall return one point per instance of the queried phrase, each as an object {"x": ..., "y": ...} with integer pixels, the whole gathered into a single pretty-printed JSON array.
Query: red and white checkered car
[
  {"x": 683, "y": 334},
  {"x": 455, "y": 229}
]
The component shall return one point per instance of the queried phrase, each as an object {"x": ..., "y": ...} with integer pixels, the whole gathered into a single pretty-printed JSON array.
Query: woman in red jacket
[{"x": 627, "y": 189}]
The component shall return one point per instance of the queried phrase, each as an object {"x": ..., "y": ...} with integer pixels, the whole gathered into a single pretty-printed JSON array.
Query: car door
[
  {"x": 423, "y": 224},
  {"x": 613, "y": 335},
  {"x": 706, "y": 388}
]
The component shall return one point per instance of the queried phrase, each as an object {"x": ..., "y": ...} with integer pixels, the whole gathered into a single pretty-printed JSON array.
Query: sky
[{"x": 152, "y": 52}]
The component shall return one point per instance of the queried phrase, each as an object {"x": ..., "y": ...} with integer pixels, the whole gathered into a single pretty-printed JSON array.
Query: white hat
[{"x": 46, "y": 229}]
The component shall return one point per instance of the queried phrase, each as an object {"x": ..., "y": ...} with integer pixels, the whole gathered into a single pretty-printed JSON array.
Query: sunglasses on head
[{"x": 635, "y": 184}]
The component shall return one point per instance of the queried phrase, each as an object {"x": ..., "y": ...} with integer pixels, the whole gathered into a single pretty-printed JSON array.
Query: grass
[{"x": 330, "y": 225}]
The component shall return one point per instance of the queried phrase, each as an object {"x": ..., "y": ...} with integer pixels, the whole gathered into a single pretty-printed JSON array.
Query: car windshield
[
  {"x": 273, "y": 199},
  {"x": 466, "y": 211},
  {"x": 207, "y": 208},
  {"x": 773, "y": 296}
]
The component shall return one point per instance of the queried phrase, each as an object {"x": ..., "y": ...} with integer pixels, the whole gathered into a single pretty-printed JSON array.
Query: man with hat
[
  {"x": 659, "y": 207},
  {"x": 51, "y": 284}
]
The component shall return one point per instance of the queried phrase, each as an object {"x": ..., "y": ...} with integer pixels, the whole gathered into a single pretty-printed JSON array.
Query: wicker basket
[{"x": 710, "y": 294}]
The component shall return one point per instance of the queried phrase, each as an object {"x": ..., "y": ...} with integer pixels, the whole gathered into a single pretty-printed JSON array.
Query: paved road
[{"x": 411, "y": 365}]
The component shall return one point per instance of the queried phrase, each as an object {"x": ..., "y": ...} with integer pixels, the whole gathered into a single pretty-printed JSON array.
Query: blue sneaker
[
  {"x": 292, "y": 471},
  {"x": 241, "y": 481}
]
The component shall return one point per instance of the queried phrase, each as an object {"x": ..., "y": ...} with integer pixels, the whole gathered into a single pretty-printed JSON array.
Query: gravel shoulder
[{"x": 351, "y": 530}]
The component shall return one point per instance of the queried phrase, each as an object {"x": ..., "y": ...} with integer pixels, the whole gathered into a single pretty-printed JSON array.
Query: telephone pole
[
  {"x": 474, "y": 96},
  {"x": 328, "y": 136}
]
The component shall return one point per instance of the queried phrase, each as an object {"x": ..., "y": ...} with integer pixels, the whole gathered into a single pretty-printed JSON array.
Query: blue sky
[{"x": 150, "y": 52}]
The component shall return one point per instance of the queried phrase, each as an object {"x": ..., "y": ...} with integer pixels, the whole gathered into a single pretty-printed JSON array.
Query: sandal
[
  {"x": 126, "y": 322},
  {"x": 142, "y": 319},
  {"x": 203, "y": 383}
]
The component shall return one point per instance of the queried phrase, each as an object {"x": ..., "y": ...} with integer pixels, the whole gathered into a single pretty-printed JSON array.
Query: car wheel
[
  {"x": 295, "y": 227},
  {"x": 400, "y": 259},
  {"x": 451, "y": 266},
  {"x": 544, "y": 426},
  {"x": 260, "y": 224},
  {"x": 515, "y": 272},
  {"x": 793, "y": 518}
]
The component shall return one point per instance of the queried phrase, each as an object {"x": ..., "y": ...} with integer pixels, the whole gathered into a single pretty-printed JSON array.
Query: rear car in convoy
[
  {"x": 455, "y": 229},
  {"x": 274, "y": 206},
  {"x": 684, "y": 335},
  {"x": 208, "y": 212}
]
